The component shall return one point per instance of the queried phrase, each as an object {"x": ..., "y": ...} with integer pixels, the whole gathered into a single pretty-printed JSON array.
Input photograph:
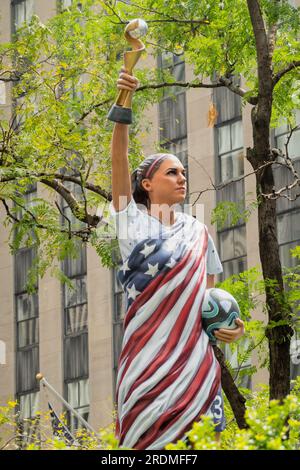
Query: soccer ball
[
  {"x": 137, "y": 28},
  {"x": 219, "y": 310}
]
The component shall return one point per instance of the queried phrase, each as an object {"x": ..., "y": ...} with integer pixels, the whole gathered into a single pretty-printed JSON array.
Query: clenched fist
[{"x": 126, "y": 81}]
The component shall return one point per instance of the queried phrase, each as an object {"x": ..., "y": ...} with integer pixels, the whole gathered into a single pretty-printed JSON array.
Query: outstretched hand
[
  {"x": 228, "y": 336},
  {"x": 126, "y": 81}
]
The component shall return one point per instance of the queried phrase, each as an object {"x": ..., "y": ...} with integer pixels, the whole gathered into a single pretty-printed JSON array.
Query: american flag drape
[{"x": 168, "y": 375}]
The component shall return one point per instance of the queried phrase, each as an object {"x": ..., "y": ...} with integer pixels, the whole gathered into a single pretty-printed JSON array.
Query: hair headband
[{"x": 152, "y": 165}]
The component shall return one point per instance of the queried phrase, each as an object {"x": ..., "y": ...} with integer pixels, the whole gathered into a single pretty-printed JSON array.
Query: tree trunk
[
  {"x": 235, "y": 398},
  {"x": 278, "y": 310}
]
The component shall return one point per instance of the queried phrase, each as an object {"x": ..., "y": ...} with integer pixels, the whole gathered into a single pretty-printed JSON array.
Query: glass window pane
[
  {"x": 167, "y": 59},
  {"x": 226, "y": 245},
  {"x": 238, "y": 163},
  {"x": 228, "y": 103},
  {"x": 23, "y": 262},
  {"x": 164, "y": 119},
  {"x": 239, "y": 235},
  {"x": 234, "y": 266},
  {"x": 232, "y": 165},
  {"x": 286, "y": 258},
  {"x": 76, "y": 319},
  {"x": 76, "y": 356},
  {"x": 280, "y": 142},
  {"x": 237, "y": 135},
  {"x": 19, "y": 14},
  {"x": 84, "y": 393},
  {"x": 118, "y": 338},
  {"x": 73, "y": 394},
  {"x": 34, "y": 402},
  {"x": 226, "y": 167},
  {"x": 224, "y": 142},
  {"x": 284, "y": 228},
  {"x": 27, "y": 306},
  {"x": 294, "y": 145},
  {"x": 29, "y": 6},
  {"x": 27, "y": 368},
  {"x": 179, "y": 76},
  {"x": 76, "y": 266},
  {"x": 172, "y": 114},
  {"x": 78, "y": 294},
  {"x": 180, "y": 124},
  {"x": 120, "y": 306},
  {"x": 295, "y": 216},
  {"x": 117, "y": 285},
  {"x": 66, "y": 3},
  {"x": 28, "y": 333},
  {"x": 281, "y": 129},
  {"x": 75, "y": 424},
  {"x": 25, "y": 406}
]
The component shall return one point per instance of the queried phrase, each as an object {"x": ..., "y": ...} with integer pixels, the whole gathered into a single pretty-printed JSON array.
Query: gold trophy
[{"x": 121, "y": 110}]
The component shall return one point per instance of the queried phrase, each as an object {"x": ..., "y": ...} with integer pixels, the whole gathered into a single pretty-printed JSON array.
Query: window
[
  {"x": 76, "y": 306},
  {"x": 2, "y": 93},
  {"x": 233, "y": 250},
  {"x": 78, "y": 398},
  {"x": 119, "y": 309},
  {"x": 28, "y": 420},
  {"x": 75, "y": 321},
  {"x": 230, "y": 166},
  {"x": 172, "y": 108},
  {"x": 27, "y": 324},
  {"x": 22, "y": 11},
  {"x": 231, "y": 152},
  {"x": 229, "y": 133},
  {"x": 281, "y": 133},
  {"x": 27, "y": 336},
  {"x": 288, "y": 226},
  {"x": 66, "y": 3},
  {"x": 172, "y": 111},
  {"x": 228, "y": 104}
]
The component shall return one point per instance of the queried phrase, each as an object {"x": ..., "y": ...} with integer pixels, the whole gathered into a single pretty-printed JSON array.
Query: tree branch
[
  {"x": 235, "y": 398},
  {"x": 83, "y": 233},
  {"x": 75, "y": 207},
  {"x": 223, "y": 82},
  {"x": 288, "y": 68},
  {"x": 90, "y": 186}
]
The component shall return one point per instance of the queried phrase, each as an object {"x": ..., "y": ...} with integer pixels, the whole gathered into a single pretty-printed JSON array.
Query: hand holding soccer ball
[{"x": 221, "y": 316}]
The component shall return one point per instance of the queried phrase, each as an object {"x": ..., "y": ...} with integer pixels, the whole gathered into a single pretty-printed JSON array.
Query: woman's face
[{"x": 168, "y": 183}]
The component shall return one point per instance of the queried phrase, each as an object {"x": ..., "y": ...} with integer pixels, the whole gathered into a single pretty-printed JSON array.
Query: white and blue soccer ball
[{"x": 219, "y": 310}]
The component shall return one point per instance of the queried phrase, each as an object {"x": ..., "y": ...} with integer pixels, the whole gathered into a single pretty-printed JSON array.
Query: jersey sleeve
[
  {"x": 125, "y": 223},
  {"x": 213, "y": 262}
]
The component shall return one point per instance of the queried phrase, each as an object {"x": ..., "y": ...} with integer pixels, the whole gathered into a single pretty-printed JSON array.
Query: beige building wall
[{"x": 7, "y": 370}]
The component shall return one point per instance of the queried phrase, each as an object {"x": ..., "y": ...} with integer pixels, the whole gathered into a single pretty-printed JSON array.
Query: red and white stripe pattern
[{"x": 168, "y": 375}]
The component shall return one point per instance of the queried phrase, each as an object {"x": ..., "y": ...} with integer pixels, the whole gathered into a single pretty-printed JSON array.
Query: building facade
[{"x": 74, "y": 336}]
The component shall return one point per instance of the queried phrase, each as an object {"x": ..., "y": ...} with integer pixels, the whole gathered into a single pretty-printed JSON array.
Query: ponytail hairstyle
[{"x": 146, "y": 170}]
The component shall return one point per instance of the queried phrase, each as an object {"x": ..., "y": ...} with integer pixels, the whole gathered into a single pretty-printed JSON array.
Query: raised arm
[{"x": 121, "y": 181}]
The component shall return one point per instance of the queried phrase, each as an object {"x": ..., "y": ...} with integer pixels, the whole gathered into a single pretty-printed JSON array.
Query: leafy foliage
[{"x": 272, "y": 426}]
